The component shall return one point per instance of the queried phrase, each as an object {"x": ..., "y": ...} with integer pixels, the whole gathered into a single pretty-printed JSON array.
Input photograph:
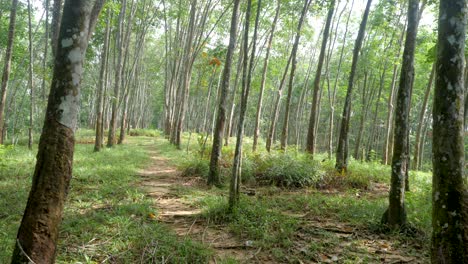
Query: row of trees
[{"x": 160, "y": 63}]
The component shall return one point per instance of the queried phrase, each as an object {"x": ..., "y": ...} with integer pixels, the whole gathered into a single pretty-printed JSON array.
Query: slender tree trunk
[
  {"x": 395, "y": 216},
  {"x": 274, "y": 119},
  {"x": 333, "y": 95},
  {"x": 118, "y": 75},
  {"x": 417, "y": 145},
  {"x": 342, "y": 150},
  {"x": 367, "y": 95},
  {"x": 30, "y": 80},
  {"x": 6, "y": 68},
  {"x": 449, "y": 190},
  {"x": 102, "y": 82},
  {"x": 39, "y": 230},
  {"x": 188, "y": 61},
  {"x": 213, "y": 175},
  {"x": 311, "y": 135},
  {"x": 284, "y": 134},
  {"x": 46, "y": 51},
  {"x": 264, "y": 75},
  {"x": 246, "y": 80}
]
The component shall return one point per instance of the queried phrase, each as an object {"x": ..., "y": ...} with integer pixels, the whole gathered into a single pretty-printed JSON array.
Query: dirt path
[{"x": 160, "y": 180}]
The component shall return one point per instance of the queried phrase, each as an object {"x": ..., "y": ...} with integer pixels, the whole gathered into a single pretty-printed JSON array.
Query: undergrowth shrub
[
  {"x": 144, "y": 133},
  {"x": 195, "y": 167},
  {"x": 286, "y": 170}
]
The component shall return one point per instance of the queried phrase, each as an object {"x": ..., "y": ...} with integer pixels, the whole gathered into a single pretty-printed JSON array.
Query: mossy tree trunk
[
  {"x": 395, "y": 216},
  {"x": 449, "y": 199},
  {"x": 39, "y": 230}
]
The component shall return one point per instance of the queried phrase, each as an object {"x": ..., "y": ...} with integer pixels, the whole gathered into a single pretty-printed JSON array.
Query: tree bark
[
  {"x": 246, "y": 80},
  {"x": 450, "y": 195},
  {"x": 395, "y": 216},
  {"x": 284, "y": 134},
  {"x": 118, "y": 75},
  {"x": 417, "y": 145},
  {"x": 213, "y": 175},
  {"x": 38, "y": 233},
  {"x": 311, "y": 135},
  {"x": 264, "y": 75},
  {"x": 6, "y": 67},
  {"x": 342, "y": 150},
  {"x": 30, "y": 80},
  {"x": 102, "y": 82},
  {"x": 56, "y": 21}
]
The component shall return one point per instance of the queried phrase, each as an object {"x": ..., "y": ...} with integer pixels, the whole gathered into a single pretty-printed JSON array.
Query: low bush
[
  {"x": 144, "y": 133},
  {"x": 195, "y": 167},
  {"x": 286, "y": 170}
]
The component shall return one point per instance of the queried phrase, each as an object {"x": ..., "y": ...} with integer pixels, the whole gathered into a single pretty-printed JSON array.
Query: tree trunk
[
  {"x": 56, "y": 22},
  {"x": 332, "y": 97},
  {"x": 30, "y": 80},
  {"x": 395, "y": 216},
  {"x": 264, "y": 75},
  {"x": 274, "y": 119},
  {"x": 284, "y": 134},
  {"x": 39, "y": 230},
  {"x": 417, "y": 145},
  {"x": 187, "y": 74},
  {"x": 6, "y": 67},
  {"x": 46, "y": 50},
  {"x": 311, "y": 135},
  {"x": 246, "y": 80},
  {"x": 102, "y": 82},
  {"x": 213, "y": 175},
  {"x": 118, "y": 75},
  {"x": 342, "y": 150},
  {"x": 450, "y": 195}
]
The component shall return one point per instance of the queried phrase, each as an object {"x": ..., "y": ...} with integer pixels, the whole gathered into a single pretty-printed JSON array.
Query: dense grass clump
[
  {"x": 144, "y": 132},
  {"x": 286, "y": 170},
  {"x": 195, "y": 167}
]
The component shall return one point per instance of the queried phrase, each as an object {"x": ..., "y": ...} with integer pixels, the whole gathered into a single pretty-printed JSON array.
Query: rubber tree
[
  {"x": 7, "y": 66},
  {"x": 38, "y": 233},
  {"x": 449, "y": 190},
  {"x": 284, "y": 133},
  {"x": 247, "y": 71},
  {"x": 102, "y": 82},
  {"x": 264, "y": 76},
  {"x": 342, "y": 149},
  {"x": 311, "y": 136},
  {"x": 395, "y": 215},
  {"x": 213, "y": 176}
]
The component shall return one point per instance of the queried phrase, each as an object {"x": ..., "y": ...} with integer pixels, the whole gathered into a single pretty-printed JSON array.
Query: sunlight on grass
[{"x": 106, "y": 214}]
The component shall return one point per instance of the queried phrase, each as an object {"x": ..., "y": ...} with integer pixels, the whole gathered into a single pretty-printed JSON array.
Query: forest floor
[
  {"x": 135, "y": 203},
  {"x": 276, "y": 225}
]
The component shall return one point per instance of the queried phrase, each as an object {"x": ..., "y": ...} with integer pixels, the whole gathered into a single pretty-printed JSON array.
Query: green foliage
[
  {"x": 144, "y": 133},
  {"x": 287, "y": 170},
  {"x": 195, "y": 167}
]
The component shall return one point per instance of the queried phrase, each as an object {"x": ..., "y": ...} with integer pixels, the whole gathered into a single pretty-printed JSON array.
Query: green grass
[{"x": 106, "y": 215}]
